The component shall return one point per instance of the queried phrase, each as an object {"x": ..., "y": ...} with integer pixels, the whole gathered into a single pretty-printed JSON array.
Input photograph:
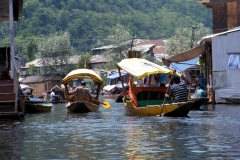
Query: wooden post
[{"x": 14, "y": 72}]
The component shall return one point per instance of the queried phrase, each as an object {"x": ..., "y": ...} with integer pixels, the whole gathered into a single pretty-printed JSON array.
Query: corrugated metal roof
[
  {"x": 99, "y": 59},
  {"x": 37, "y": 79},
  {"x": 209, "y": 37},
  {"x": 143, "y": 48},
  {"x": 39, "y": 62},
  {"x": 159, "y": 45}
]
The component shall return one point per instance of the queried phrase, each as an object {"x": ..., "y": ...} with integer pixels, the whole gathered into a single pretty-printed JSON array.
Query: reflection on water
[{"x": 110, "y": 134}]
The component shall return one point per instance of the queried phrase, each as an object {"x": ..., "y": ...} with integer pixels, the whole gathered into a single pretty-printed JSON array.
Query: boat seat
[{"x": 147, "y": 95}]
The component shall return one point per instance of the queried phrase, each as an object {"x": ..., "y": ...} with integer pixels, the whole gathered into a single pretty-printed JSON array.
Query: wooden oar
[
  {"x": 105, "y": 104},
  {"x": 166, "y": 93}
]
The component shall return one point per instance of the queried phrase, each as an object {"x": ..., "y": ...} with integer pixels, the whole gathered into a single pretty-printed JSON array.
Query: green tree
[
  {"x": 55, "y": 51},
  {"x": 31, "y": 46},
  {"x": 81, "y": 61},
  {"x": 32, "y": 69},
  {"x": 186, "y": 38}
]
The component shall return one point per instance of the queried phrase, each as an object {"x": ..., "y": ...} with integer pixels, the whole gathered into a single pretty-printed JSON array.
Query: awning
[
  {"x": 181, "y": 66},
  {"x": 116, "y": 75},
  {"x": 140, "y": 68},
  {"x": 186, "y": 55},
  {"x": 109, "y": 87}
]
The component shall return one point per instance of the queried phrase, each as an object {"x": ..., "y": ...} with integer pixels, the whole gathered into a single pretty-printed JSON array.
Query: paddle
[
  {"x": 105, "y": 104},
  {"x": 166, "y": 93}
]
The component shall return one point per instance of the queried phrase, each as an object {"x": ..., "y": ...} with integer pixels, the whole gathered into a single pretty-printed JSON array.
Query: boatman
[
  {"x": 53, "y": 96},
  {"x": 82, "y": 92},
  {"x": 179, "y": 89}
]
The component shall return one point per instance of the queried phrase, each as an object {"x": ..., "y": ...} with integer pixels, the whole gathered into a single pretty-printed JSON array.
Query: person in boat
[
  {"x": 203, "y": 82},
  {"x": 201, "y": 93},
  {"x": 53, "y": 96},
  {"x": 25, "y": 92},
  {"x": 5, "y": 74},
  {"x": 178, "y": 89},
  {"x": 125, "y": 92},
  {"x": 196, "y": 85},
  {"x": 82, "y": 92}
]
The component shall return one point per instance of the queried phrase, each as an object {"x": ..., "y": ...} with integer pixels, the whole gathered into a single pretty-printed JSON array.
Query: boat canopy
[
  {"x": 82, "y": 73},
  {"x": 24, "y": 86},
  {"x": 140, "y": 68}
]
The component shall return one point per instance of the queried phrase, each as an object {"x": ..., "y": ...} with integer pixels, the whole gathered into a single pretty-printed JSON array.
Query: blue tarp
[
  {"x": 181, "y": 66},
  {"x": 116, "y": 75}
]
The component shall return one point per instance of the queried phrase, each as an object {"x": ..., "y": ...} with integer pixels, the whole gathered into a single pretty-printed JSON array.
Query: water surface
[{"x": 110, "y": 134}]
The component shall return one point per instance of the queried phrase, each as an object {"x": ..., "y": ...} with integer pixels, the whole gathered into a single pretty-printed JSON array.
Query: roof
[
  {"x": 116, "y": 75},
  {"x": 105, "y": 47},
  {"x": 99, "y": 59},
  {"x": 38, "y": 79},
  {"x": 4, "y": 9},
  {"x": 209, "y": 37},
  {"x": 39, "y": 62},
  {"x": 158, "y": 48},
  {"x": 144, "y": 48}
]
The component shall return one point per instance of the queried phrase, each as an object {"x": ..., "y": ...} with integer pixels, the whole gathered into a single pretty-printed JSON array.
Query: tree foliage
[
  {"x": 84, "y": 60},
  {"x": 55, "y": 51},
  {"x": 185, "y": 39},
  {"x": 93, "y": 20},
  {"x": 31, "y": 47}
]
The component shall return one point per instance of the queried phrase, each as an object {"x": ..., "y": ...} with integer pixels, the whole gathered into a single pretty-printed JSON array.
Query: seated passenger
[{"x": 82, "y": 92}]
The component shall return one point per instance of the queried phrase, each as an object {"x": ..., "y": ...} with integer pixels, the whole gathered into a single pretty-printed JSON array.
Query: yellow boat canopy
[
  {"x": 82, "y": 73},
  {"x": 140, "y": 68}
]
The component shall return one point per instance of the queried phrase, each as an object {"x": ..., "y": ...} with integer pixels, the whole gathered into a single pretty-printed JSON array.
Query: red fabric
[{"x": 131, "y": 93}]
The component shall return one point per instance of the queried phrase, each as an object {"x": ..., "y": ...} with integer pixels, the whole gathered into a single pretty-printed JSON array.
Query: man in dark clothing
[
  {"x": 178, "y": 89},
  {"x": 5, "y": 74}
]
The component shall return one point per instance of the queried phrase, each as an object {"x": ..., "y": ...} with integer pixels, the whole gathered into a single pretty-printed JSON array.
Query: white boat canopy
[{"x": 140, "y": 68}]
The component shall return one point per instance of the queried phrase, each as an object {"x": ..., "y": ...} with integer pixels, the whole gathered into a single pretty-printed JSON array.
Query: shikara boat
[
  {"x": 149, "y": 100},
  {"x": 72, "y": 102},
  {"x": 232, "y": 100},
  {"x": 32, "y": 106}
]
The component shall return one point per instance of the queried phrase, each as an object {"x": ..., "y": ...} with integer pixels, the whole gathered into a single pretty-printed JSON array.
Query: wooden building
[
  {"x": 225, "y": 14},
  {"x": 11, "y": 104},
  {"x": 42, "y": 84}
]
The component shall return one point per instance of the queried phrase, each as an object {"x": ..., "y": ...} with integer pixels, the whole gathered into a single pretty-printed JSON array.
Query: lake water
[{"x": 109, "y": 134}]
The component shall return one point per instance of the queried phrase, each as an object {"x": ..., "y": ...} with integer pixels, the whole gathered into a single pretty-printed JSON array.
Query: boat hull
[
  {"x": 31, "y": 107},
  {"x": 232, "y": 100},
  {"x": 198, "y": 102},
  {"x": 180, "y": 109},
  {"x": 82, "y": 107}
]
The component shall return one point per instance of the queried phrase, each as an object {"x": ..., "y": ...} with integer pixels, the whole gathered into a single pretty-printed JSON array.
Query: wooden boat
[
  {"x": 33, "y": 104},
  {"x": 37, "y": 105},
  {"x": 198, "y": 102},
  {"x": 149, "y": 100},
  {"x": 74, "y": 105},
  {"x": 232, "y": 100}
]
